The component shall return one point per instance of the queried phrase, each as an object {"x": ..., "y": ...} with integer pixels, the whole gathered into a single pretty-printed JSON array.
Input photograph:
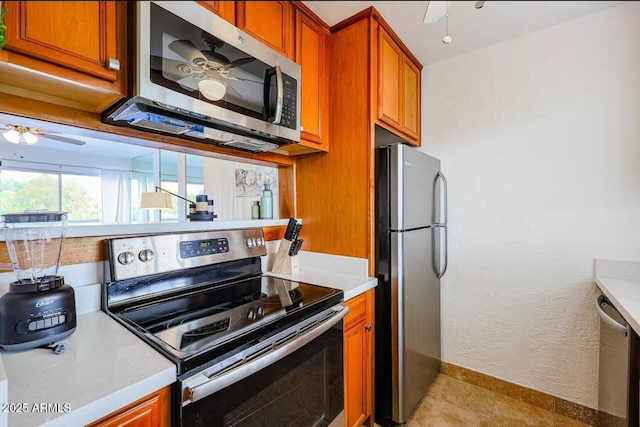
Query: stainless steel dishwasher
[{"x": 614, "y": 369}]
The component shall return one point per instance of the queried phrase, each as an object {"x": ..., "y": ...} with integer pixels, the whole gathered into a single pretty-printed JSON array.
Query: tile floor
[{"x": 451, "y": 402}]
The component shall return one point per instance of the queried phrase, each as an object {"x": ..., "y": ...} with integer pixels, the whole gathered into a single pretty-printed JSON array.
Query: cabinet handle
[
  {"x": 367, "y": 328},
  {"x": 113, "y": 64}
]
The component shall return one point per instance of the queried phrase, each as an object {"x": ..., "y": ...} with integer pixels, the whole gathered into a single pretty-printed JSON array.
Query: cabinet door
[
  {"x": 311, "y": 54},
  {"x": 389, "y": 79},
  {"x": 269, "y": 21},
  {"x": 358, "y": 357},
  {"x": 224, "y": 9},
  {"x": 80, "y": 35},
  {"x": 410, "y": 99},
  {"x": 355, "y": 375},
  {"x": 147, "y": 412}
]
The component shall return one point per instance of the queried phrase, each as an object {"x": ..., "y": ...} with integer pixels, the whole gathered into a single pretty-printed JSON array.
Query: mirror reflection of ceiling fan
[
  {"x": 203, "y": 70},
  {"x": 31, "y": 136},
  {"x": 437, "y": 9}
]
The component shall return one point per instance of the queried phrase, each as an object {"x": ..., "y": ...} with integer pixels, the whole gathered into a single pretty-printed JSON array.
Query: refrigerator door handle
[
  {"x": 613, "y": 324},
  {"x": 443, "y": 223},
  {"x": 439, "y": 274},
  {"x": 443, "y": 211}
]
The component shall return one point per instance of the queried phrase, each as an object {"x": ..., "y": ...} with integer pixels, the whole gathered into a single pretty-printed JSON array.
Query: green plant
[{"x": 3, "y": 27}]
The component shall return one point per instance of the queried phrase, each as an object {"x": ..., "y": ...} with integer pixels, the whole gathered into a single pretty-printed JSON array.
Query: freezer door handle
[
  {"x": 443, "y": 212},
  {"x": 606, "y": 318}
]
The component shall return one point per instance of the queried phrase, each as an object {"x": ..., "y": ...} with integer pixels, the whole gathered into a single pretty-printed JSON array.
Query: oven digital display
[{"x": 194, "y": 248}]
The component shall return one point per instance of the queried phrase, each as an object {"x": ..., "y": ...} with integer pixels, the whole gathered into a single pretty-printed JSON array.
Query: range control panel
[
  {"x": 131, "y": 257},
  {"x": 193, "y": 248}
]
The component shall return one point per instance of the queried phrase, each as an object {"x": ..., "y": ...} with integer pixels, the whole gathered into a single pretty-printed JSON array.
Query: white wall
[{"x": 539, "y": 138}]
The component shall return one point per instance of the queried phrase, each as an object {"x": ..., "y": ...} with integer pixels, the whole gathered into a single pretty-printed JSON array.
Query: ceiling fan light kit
[
  {"x": 212, "y": 89},
  {"x": 31, "y": 136},
  {"x": 12, "y": 135}
]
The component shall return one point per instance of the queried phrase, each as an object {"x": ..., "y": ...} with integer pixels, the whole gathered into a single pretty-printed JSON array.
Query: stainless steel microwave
[{"x": 197, "y": 76}]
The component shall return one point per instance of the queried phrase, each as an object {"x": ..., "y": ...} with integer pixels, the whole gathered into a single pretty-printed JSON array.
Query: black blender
[{"x": 39, "y": 308}]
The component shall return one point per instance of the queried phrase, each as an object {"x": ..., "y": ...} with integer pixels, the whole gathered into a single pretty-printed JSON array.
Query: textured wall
[{"x": 540, "y": 140}]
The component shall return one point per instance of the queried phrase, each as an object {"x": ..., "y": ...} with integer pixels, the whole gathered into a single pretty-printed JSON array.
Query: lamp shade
[{"x": 155, "y": 200}]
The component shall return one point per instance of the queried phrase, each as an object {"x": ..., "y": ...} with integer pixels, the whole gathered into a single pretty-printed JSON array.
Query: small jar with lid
[{"x": 255, "y": 210}]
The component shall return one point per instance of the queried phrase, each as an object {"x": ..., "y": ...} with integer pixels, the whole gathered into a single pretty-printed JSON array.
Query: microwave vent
[
  {"x": 159, "y": 123},
  {"x": 251, "y": 145}
]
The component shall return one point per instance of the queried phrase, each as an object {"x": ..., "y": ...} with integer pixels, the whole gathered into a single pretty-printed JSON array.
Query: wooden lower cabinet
[
  {"x": 153, "y": 410},
  {"x": 358, "y": 361}
]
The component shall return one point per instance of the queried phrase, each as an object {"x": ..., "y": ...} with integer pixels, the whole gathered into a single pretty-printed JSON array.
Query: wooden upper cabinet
[
  {"x": 224, "y": 9},
  {"x": 311, "y": 54},
  {"x": 80, "y": 35},
  {"x": 269, "y": 21},
  {"x": 66, "y": 52},
  {"x": 411, "y": 99},
  {"x": 389, "y": 79},
  {"x": 398, "y": 88}
]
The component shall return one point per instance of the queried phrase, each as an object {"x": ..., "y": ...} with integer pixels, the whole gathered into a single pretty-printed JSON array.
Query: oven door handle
[{"x": 207, "y": 388}]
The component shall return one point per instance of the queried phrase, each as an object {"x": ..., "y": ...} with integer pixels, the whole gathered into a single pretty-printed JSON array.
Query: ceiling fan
[
  {"x": 203, "y": 70},
  {"x": 31, "y": 136},
  {"x": 437, "y": 9}
]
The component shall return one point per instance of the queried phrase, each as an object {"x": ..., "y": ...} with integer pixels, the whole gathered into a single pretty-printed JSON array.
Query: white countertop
[
  {"x": 104, "y": 368},
  {"x": 352, "y": 285}
]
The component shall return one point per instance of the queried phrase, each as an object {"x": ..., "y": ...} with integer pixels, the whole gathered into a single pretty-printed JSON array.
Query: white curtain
[
  {"x": 116, "y": 196},
  {"x": 146, "y": 184}
]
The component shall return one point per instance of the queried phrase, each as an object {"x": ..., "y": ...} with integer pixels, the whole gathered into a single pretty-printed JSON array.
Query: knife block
[{"x": 285, "y": 264}]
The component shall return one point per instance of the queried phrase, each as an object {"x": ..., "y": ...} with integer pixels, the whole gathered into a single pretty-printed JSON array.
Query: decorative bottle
[
  {"x": 255, "y": 210},
  {"x": 266, "y": 203}
]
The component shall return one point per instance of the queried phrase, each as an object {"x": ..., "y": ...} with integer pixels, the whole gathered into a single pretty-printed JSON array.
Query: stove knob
[
  {"x": 251, "y": 314},
  {"x": 260, "y": 241},
  {"x": 146, "y": 255},
  {"x": 126, "y": 258},
  {"x": 249, "y": 243},
  {"x": 260, "y": 311}
]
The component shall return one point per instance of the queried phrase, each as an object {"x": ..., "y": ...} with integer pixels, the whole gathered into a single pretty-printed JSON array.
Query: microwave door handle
[
  {"x": 277, "y": 118},
  {"x": 279, "y": 95}
]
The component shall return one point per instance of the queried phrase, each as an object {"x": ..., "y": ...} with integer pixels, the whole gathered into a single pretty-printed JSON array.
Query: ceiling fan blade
[
  {"x": 189, "y": 51},
  {"x": 237, "y": 63},
  {"x": 176, "y": 70},
  {"x": 240, "y": 79},
  {"x": 435, "y": 11},
  {"x": 189, "y": 83},
  {"x": 61, "y": 139}
]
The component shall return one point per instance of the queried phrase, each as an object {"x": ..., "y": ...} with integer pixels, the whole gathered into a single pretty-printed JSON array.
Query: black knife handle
[
  {"x": 292, "y": 249},
  {"x": 288, "y": 234},
  {"x": 296, "y": 232}
]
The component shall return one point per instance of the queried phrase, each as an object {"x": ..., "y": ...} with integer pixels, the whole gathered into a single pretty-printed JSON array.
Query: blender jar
[{"x": 34, "y": 240}]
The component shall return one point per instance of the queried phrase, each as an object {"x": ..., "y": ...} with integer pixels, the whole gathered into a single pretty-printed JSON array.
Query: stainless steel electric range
[{"x": 250, "y": 350}]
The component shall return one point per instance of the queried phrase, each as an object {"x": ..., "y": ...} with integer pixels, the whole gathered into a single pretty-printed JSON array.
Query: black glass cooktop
[{"x": 226, "y": 317}]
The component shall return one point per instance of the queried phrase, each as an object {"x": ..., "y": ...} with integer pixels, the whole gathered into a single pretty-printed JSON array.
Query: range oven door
[
  {"x": 197, "y": 64},
  {"x": 294, "y": 378}
]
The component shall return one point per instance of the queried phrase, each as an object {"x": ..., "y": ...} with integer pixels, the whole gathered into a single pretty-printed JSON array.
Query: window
[{"x": 79, "y": 195}]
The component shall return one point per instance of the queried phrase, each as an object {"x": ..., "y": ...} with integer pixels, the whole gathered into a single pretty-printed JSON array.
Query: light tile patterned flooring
[{"x": 451, "y": 402}]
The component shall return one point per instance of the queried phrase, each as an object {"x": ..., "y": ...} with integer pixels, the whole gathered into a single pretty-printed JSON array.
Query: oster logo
[{"x": 44, "y": 303}]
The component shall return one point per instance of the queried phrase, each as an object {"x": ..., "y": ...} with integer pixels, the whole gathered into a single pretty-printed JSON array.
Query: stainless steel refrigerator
[{"x": 411, "y": 257}]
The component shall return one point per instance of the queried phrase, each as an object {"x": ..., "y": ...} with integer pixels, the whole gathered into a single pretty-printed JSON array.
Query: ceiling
[{"x": 470, "y": 28}]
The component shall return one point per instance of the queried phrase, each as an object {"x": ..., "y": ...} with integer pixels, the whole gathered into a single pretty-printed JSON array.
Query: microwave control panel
[{"x": 290, "y": 102}]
